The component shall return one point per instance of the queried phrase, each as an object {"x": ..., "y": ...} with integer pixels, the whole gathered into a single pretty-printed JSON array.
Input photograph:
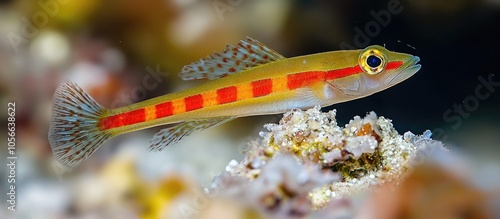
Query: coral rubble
[{"x": 307, "y": 164}]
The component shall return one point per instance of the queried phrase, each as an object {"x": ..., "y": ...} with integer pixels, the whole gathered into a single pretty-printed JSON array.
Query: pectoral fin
[{"x": 322, "y": 93}]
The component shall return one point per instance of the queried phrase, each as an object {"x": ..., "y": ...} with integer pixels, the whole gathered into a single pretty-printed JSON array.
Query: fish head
[
  {"x": 385, "y": 68},
  {"x": 375, "y": 69}
]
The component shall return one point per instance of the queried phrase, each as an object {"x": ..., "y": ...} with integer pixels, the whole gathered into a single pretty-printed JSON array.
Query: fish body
[{"x": 248, "y": 79}]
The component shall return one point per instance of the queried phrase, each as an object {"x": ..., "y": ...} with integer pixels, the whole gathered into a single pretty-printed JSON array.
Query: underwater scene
[{"x": 250, "y": 109}]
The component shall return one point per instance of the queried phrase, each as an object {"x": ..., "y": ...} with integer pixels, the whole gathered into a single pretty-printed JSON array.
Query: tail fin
[{"x": 74, "y": 133}]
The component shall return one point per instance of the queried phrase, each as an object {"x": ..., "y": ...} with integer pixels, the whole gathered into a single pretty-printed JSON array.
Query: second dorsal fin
[{"x": 247, "y": 54}]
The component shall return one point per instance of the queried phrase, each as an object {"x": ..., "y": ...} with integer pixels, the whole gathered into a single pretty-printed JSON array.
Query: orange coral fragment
[{"x": 365, "y": 130}]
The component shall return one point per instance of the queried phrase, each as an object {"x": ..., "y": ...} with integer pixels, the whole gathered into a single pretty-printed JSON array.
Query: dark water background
[{"x": 458, "y": 43}]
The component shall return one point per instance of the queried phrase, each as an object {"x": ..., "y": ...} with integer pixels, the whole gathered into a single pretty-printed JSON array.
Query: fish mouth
[{"x": 408, "y": 69}]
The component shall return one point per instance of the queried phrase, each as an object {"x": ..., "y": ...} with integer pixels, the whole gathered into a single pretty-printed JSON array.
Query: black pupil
[{"x": 373, "y": 61}]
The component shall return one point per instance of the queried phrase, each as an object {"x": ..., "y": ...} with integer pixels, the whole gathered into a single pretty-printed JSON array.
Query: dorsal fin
[{"x": 247, "y": 54}]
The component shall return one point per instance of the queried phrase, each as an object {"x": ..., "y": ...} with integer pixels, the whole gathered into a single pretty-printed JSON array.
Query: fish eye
[{"x": 372, "y": 61}]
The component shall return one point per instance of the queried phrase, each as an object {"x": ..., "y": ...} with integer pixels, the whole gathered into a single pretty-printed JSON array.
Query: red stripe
[
  {"x": 393, "y": 65},
  {"x": 262, "y": 87},
  {"x": 304, "y": 79},
  {"x": 123, "y": 119},
  {"x": 164, "y": 109},
  {"x": 340, "y": 73},
  {"x": 193, "y": 102},
  {"x": 227, "y": 95}
]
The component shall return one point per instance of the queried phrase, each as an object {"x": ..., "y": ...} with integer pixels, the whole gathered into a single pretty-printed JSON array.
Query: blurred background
[{"x": 109, "y": 47}]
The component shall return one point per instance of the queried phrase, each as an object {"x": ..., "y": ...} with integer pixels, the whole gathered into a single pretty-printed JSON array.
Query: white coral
[
  {"x": 281, "y": 189},
  {"x": 284, "y": 173},
  {"x": 361, "y": 144}
]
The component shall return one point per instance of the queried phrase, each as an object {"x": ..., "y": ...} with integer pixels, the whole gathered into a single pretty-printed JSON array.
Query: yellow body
[
  {"x": 279, "y": 101},
  {"x": 249, "y": 79}
]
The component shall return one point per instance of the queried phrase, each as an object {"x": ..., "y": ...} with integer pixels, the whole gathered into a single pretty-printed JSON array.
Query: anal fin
[{"x": 175, "y": 133}]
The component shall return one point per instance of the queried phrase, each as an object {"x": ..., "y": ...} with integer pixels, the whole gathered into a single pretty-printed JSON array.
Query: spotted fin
[
  {"x": 175, "y": 133},
  {"x": 73, "y": 133},
  {"x": 247, "y": 54}
]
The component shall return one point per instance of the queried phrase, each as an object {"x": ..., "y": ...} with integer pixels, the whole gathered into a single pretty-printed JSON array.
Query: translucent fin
[
  {"x": 73, "y": 131},
  {"x": 247, "y": 54},
  {"x": 175, "y": 133},
  {"x": 308, "y": 97}
]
